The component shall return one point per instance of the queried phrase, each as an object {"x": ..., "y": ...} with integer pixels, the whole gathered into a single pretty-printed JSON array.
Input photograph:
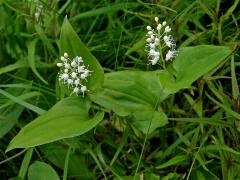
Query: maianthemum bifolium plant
[{"x": 133, "y": 123}]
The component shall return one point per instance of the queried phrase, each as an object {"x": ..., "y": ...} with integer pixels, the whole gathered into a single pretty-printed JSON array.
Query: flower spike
[
  {"x": 160, "y": 42},
  {"x": 74, "y": 74}
]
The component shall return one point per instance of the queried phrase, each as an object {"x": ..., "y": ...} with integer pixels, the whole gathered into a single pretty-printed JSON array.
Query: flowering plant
[
  {"x": 74, "y": 73},
  {"x": 132, "y": 94},
  {"x": 158, "y": 42}
]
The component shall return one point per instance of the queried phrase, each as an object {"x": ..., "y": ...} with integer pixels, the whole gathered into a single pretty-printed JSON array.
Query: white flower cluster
[
  {"x": 38, "y": 11},
  {"x": 74, "y": 73},
  {"x": 158, "y": 39}
]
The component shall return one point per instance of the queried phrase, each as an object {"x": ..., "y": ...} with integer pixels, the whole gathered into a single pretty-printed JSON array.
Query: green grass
[{"x": 201, "y": 138}]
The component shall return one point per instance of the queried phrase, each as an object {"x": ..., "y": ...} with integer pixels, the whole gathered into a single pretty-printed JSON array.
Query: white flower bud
[
  {"x": 59, "y": 64},
  {"x": 149, "y": 28},
  {"x": 167, "y": 29},
  {"x": 156, "y": 19},
  {"x": 164, "y": 23},
  {"x": 66, "y": 70},
  {"x": 157, "y": 41},
  {"x": 73, "y": 64},
  {"x": 65, "y": 55},
  {"x": 148, "y": 40},
  {"x": 165, "y": 38},
  {"x": 150, "y": 32},
  {"x": 159, "y": 26},
  {"x": 63, "y": 59},
  {"x": 70, "y": 81}
]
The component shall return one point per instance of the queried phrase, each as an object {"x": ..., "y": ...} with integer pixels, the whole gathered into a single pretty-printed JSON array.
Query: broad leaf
[
  {"x": 147, "y": 120},
  {"x": 56, "y": 153},
  {"x": 191, "y": 64},
  {"x": 124, "y": 92},
  {"x": 133, "y": 93},
  {"x": 68, "y": 118},
  {"x": 41, "y": 171},
  {"x": 72, "y": 44}
]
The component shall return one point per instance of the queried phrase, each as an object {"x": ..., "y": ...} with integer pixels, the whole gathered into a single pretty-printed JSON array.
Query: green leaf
[
  {"x": 41, "y": 171},
  {"x": 109, "y": 9},
  {"x": 191, "y": 64},
  {"x": 17, "y": 65},
  {"x": 68, "y": 118},
  {"x": 124, "y": 92},
  {"x": 147, "y": 120},
  {"x": 32, "y": 59},
  {"x": 174, "y": 161},
  {"x": 133, "y": 93},
  {"x": 56, "y": 153},
  {"x": 71, "y": 43}
]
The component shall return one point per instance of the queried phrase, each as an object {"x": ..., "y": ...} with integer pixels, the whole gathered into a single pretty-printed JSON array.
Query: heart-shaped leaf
[{"x": 134, "y": 93}]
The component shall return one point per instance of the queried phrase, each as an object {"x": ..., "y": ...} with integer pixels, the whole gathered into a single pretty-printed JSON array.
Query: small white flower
[
  {"x": 159, "y": 26},
  {"x": 83, "y": 76},
  {"x": 152, "y": 52},
  {"x": 164, "y": 23},
  {"x": 66, "y": 70},
  {"x": 65, "y": 55},
  {"x": 154, "y": 61},
  {"x": 149, "y": 28},
  {"x": 152, "y": 45},
  {"x": 37, "y": 14},
  {"x": 70, "y": 81},
  {"x": 66, "y": 65},
  {"x": 156, "y": 19},
  {"x": 81, "y": 68},
  {"x": 168, "y": 41},
  {"x": 84, "y": 89},
  {"x": 73, "y": 64},
  {"x": 149, "y": 40},
  {"x": 79, "y": 59},
  {"x": 74, "y": 75},
  {"x": 65, "y": 76},
  {"x": 170, "y": 55},
  {"x": 156, "y": 54},
  {"x": 77, "y": 82},
  {"x": 86, "y": 72},
  {"x": 150, "y": 32},
  {"x": 59, "y": 64},
  {"x": 157, "y": 41},
  {"x": 76, "y": 90},
  {"x": 167, "y": 29},
  {"x": 63, "y": 59}
]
